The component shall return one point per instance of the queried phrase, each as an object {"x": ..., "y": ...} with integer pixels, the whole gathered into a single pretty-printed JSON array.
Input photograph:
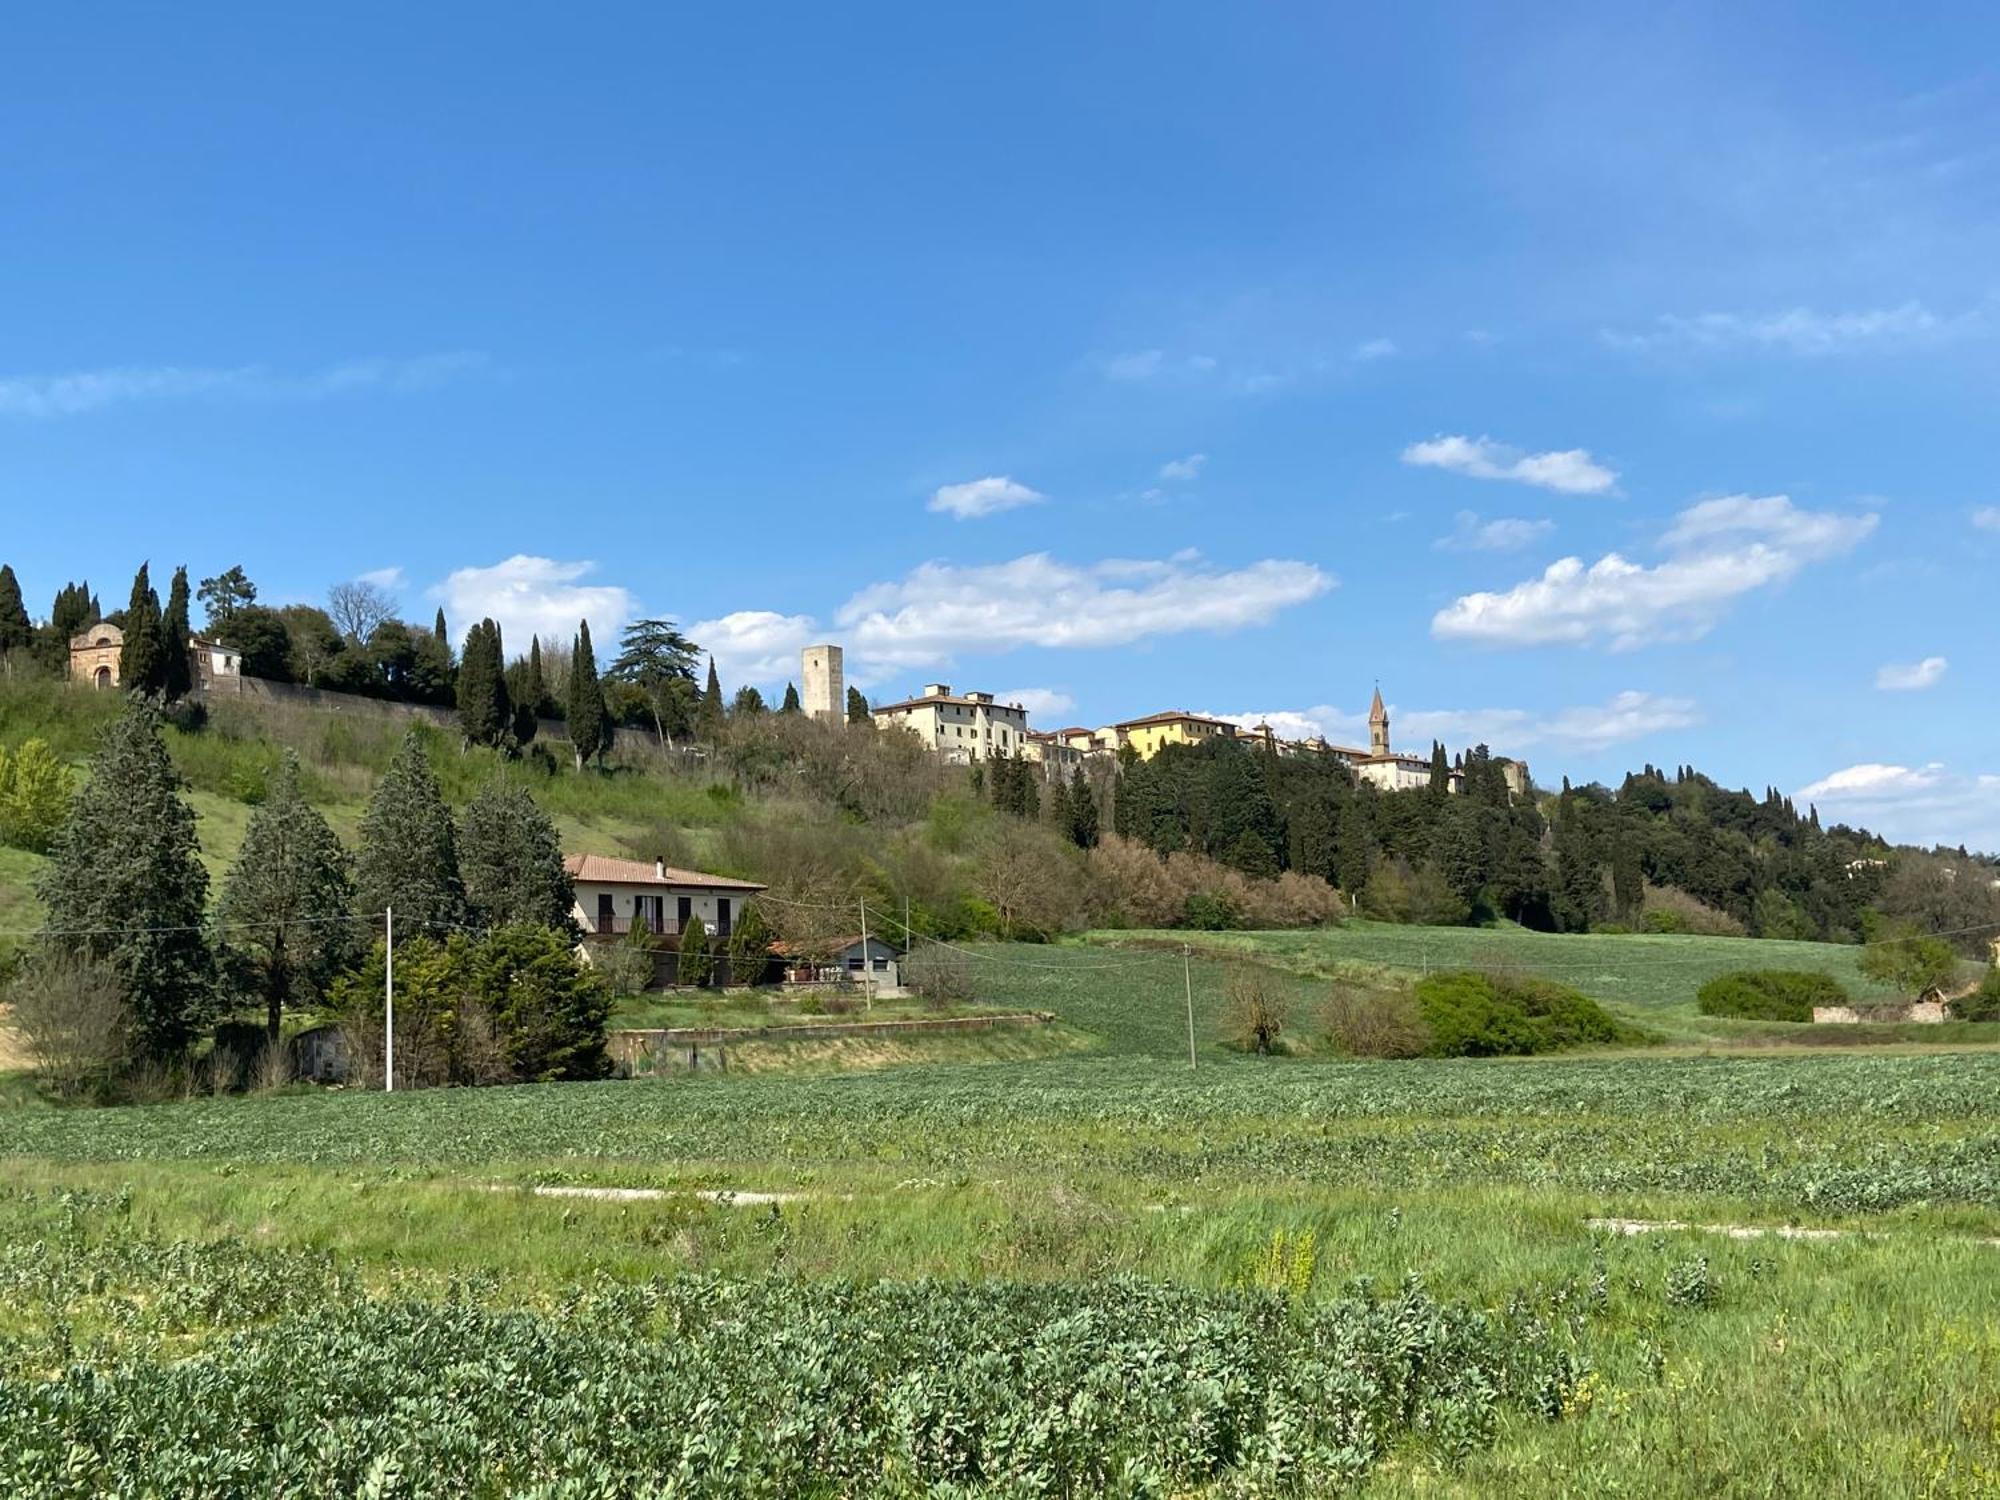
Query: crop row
[
  {"x": 1828, "y": 1133},
  {"x": 700, "y": 1386}
]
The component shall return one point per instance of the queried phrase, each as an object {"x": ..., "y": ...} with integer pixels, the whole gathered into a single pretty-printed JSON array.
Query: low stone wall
[
  {"x": 625, "y": 740},
  {"x": 704, "y": 1047},
  {"x": 1922, "y": 1012}
]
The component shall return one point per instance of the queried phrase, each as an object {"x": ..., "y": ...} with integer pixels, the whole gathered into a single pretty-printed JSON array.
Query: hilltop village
[{"x": 972, "y": 726}]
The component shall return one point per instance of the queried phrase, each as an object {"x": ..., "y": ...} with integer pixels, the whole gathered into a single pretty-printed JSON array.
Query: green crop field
[
  {"x": 1650, "y": 978},
  {"x": 1102, "y": 1271}
]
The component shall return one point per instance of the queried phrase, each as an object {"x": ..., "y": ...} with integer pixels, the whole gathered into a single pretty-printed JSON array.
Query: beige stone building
[
  {"x": 613, "y": 894},
  {"x": 825, "y": 695},
  {"x": 962, "y": 727},
  {"x": 94, "y": 653}
]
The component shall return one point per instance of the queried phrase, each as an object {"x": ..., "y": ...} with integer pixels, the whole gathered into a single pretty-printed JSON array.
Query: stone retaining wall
[
  {"x": 1923, "y": 1012},
  {"x": 702, "y": 1047}
]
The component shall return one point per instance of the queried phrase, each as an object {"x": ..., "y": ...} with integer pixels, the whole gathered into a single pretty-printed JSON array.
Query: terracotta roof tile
[{"x": 602, "y": 869}]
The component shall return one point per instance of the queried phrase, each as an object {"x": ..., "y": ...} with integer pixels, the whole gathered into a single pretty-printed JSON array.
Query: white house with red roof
[{"x": 613, "y": 894}]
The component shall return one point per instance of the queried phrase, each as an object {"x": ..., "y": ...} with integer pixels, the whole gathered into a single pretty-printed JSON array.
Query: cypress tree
[
  {"x": 708, "y": 719},
  {"x": 791, "y": 704},
  {"x": 291, "y": 876},
  {"x": 438, "y": 628},
  {"x": 143, "y": 659},
  {"x": 177, "y": 674},
  {"x": 539, "y": 701},
  {"x": 857, "y": 707},
  {"x": 17, "y": 632},
  {"x": 125, "y": 885},
  {"x": 512, "y": 859},
  {"x": 409, "y": 850},
  {"x": 1354, "y": 844},
  {"x": 1082, "y": 821},
  {"x": 1440, "y": 771},
  {"x": 589, "y": 719},
  {"x": 695, "y": 962},
  {"x": 484, "y": 713}
]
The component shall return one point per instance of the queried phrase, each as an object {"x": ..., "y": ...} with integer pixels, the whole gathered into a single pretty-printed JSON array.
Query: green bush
[
  {"x": 1490, "y": 1015},
  {"x": 1769, "y": 994},
  {"x": 1983, "y": 1004}
]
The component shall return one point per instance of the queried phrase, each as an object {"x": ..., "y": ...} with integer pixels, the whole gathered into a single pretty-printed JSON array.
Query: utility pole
[
  {"x": 1187, "y": 977},
  {"x": 389, "y": 1003},
  {"x": 867, "y": 969}
]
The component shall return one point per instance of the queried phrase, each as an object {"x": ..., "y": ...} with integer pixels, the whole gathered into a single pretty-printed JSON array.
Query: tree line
[{"x": 483, "y": 906}]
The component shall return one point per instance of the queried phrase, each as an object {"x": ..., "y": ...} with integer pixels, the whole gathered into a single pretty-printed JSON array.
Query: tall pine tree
[
  {"x": 512, "y": 859},
  {"x": 177, "y": 675},
  {"x": 126, "y": 885},
  {"x": 857, "y": 707},
  {"x": 438, "y": 630},
  {"x": 142, "y": 661},
  {"x": 589, "y": 719},
  {"x": 409, "y": 849},
  {"x": 791, "y": 704},
  {"x": 17, "y": 632},
  {"x": 278, "y": 902}
]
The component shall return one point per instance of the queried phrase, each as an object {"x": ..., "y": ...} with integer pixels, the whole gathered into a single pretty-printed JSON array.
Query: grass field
[
  {"x": 1192, "y": 1243},
  {"x": 1058, "y": 1262}
]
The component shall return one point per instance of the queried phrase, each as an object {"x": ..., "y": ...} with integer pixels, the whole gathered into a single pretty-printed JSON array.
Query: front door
[
  {"x": 605, "y": 921},
  {"x": 722, "y": 916},
  {"x": 684, "y": 910}
]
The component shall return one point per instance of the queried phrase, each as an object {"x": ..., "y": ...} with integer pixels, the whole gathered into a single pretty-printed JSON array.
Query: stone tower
[
  {"x": 825, "y": 695},
  {"x": 1378, "y": 725}
]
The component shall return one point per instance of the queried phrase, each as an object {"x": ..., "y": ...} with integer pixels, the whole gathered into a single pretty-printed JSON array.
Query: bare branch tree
[{"x": 358, "y": 607}]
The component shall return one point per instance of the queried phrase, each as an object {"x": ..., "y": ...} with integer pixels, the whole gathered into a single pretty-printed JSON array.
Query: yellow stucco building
[{"x": 1150, "y": 735}]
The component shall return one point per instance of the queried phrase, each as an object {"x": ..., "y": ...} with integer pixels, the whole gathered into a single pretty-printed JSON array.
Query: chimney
[{"x": 659, "y": 869}]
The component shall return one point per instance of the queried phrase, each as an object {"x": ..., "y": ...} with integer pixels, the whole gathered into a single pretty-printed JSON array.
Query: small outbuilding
[{"x": 851, "y": 959}]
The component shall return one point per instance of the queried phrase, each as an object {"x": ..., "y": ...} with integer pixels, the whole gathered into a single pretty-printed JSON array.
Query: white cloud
[
  {"x": 1188, "y": 468},
  {"x": 1570, "y": 471},
  {"x": 983, "y": 497},
  {"x": 1987, "y": 518},
  {"x": 756, "y": 645},
  {"x": 92, "y": 390},
  {"x": 1505, "y": 534},
  {"x": 1723, "y": 550},
  {"x": 941, "y": 608},
  {"x": 1045, "y": 704},
  {"x": 1798, "y": 330},
  {"x": 1587, "y": 727},
  {"x": 1375, "y": 349},
  {"x": 389, "y": 579},
  {"x": 536, "y": 596},
  {"x": 1912, "y": 677},
  {"x": 1927, "y": 804}
]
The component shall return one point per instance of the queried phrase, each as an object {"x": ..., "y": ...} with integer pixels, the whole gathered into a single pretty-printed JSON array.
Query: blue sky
[{"x": 1613, "y": 388}]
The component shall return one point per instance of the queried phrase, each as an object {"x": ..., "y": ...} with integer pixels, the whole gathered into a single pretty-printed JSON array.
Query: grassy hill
[{"x": 226, "y": 763}]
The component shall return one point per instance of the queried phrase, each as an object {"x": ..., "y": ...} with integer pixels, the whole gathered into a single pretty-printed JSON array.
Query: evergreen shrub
[
  {"x": 1491, "y": 1015},
  {"x": 1769, "y": 994}
]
